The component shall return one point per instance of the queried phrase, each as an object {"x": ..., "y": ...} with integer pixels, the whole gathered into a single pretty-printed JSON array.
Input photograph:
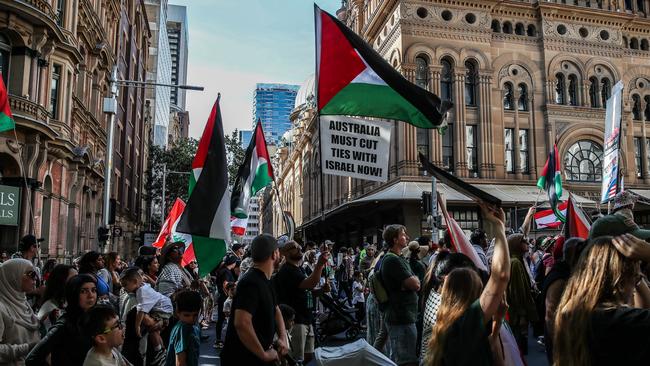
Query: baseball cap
[
  {"x": 614, "y": 225},
  {"x": 624, "y": 199},
  {"x": 262, "y": 247}
]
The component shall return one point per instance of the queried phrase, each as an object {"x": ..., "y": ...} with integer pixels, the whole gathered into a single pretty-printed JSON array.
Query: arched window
[
  {"x": 522, "y": 102},
  {"x": 471, "y": 80},
  {"x": 5, "y": 54},
  {"x": 531, "y": 31},
  {"x": 508, "y": 97},
  {"x": 560, "y": 87},
  {"x": 573, "y": 90},
  {"x": 583, "y": 162},
  {"x": 636, "y": 107},
  {"x": 446, "y": 80},
  {"x": 496, "y": 26},
  {"x": 519, "y": 29},
  {"x": 422, "y": 71},
  {"x": 634, "y": 44},
  {"x": 593, "y": 92},
  {"x": 644, "y": 45},
  {"x": 647, "y": 110},
  {"x": 507, "y": 27},
  {"x": 605, "y": 91}
]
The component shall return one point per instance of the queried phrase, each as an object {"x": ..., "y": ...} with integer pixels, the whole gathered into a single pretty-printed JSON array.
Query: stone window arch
[
  {"x": 583, "y": 162},
  {"x": 634, "y": 43},
  {"x": 593, "y": 91},
  {"x": 520, "y": 30},
  {"x": 447, "y": 79},
  {"x": 508, "y": 96},
  {"x": 522, "y": 100},
  {"x": 644, "y": 45},
  {"x": 471, "y": 82},
  {"x": 568, "y": 78},
  {"x": 496, "y": 26},
  {"x": 422, "y": 71},
  {"x": 531, "y": 31},
  {"x": 572, "y": 90},
  {"x": 507, "y": 27},
  {"x": 636, "y": 107},
  {"x": 600, "y": 85},
  {"x": 560, "y": 89},
  {"x": 605, "y": 90}
]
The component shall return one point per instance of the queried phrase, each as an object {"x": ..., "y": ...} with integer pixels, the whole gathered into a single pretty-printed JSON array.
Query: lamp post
[{"x": 110, "y": 107}]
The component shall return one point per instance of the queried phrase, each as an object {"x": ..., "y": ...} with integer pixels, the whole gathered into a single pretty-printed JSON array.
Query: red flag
[
  {"x": 168, "y": 230},
  {"x": 577, "y": 224},
  {"x": 548, "y": 219},
  {"x": 238, "y": 226},
  {"x": 459, "y": 240}
]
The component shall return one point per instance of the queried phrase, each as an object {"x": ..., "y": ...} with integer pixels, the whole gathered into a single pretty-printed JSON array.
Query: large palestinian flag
[
  {"x": 353, "y": 79},
  {"x": 551, "y": 181},
  {"x": 207, "y": 213},
  {"x": 254, "y": 174},
  {"x": 6, "y": 118}
]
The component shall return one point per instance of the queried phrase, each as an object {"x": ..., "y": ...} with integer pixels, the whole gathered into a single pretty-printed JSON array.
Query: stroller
[{"x": 336, "y": 320}]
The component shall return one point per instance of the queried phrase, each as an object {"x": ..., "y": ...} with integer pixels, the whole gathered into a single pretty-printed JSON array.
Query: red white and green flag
[
  {"x": 207, "y": 213},
  {"x": 551, "y": 181},
  {"x": 353, "y": 79},
  {"x": 546, "y": 219},
  {"x": 255, "y": 173},
  {"x": 577, "y": 223},
  {"x": 6, "y": 118},
  {"x": 168, "y": 232}
]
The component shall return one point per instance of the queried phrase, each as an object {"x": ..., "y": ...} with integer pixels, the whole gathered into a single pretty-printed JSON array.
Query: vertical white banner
[
  {"x": 612, "y": 144},
  {"x": 355, "y": 147}
]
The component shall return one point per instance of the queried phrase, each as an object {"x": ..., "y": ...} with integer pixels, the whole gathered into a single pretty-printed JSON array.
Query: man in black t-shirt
[
  {"x": 255, "y": 316},
  {"x": 294, "y": 288}
]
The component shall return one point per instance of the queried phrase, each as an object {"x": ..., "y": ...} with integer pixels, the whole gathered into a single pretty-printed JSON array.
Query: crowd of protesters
[{"x": 421, "y": 302}]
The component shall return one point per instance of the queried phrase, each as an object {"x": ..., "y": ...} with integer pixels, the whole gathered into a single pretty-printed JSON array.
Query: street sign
[
  {"x": 117, "y": 231},
  {"x": 9, "y": 205}
]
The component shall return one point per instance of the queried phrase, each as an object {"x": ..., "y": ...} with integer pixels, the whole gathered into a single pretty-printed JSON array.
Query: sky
[{"x": 235, "y": 44}]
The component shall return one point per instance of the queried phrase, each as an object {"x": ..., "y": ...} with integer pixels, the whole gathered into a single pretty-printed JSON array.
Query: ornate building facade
[
  {"x": 56, "y": 58},
  {"x": 521, "y": 74}
]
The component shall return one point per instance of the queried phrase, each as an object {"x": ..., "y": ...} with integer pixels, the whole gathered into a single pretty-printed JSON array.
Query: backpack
[{"x": 377, "y": 286}]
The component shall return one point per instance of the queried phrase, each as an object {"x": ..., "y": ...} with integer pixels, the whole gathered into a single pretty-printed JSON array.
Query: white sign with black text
[{"x": 355, "y": 147}]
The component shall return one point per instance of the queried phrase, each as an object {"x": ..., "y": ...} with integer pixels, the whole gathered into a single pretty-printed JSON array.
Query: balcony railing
[{"x": 24, "y": 107}]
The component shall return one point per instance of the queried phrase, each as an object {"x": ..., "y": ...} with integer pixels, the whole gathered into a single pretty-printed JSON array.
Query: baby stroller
[{"x": 336, "y": 320}]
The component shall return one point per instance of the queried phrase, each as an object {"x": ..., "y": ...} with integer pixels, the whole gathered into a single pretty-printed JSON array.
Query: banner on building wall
[
  {"x": 355, "y": 147},
  {"x": 9, "y": 205},
  {"x": 611, "y": 147}
]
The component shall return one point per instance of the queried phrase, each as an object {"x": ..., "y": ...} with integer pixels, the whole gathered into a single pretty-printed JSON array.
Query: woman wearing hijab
[
  {"x": 64, "y": 341},
  {"x": 18, "y": 324}
]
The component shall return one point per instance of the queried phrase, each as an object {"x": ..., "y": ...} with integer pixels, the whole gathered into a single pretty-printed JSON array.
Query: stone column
[
  {"x": 436, "y": 138},
  {"x": 459, "y": 124},
  {"x": 515, "y": 137},
  {"x": 486, "y": 157}
]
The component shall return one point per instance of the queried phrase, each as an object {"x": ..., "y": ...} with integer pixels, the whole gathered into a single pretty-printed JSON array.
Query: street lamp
[{"x": 110, "y": 107}]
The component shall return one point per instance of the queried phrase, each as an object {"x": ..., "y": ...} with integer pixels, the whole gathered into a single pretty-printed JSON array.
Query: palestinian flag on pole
[
  {"x": 551, "y": 181},
  {"x": 353, "y": 79},
  {"x": 546, "y": 219},
  {"x": 207, "y": 213},
  {"x": 254, "y": 174},
  {"x": 6, "y": 118},
  {"x": 168, "y": 232}
]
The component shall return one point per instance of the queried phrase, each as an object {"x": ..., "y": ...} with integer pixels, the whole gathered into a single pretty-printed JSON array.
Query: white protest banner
[
  {"x": 612, "y": 144},
  {"x": 355, "y": 147}
]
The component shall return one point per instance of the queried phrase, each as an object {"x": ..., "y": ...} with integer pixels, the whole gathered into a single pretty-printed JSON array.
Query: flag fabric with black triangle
[
  {"x": 255, "y": 173},
  {"x": 353, "y": 79},
  {"x": 551, "y": 181},
  {"x": 6, "y": 118},
  {"x": 577, "y": 223},
  {"x": 207, "y": 212}
]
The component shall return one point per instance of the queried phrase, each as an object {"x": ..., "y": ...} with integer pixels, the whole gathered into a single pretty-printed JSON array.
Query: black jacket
[{"x": 64, "y": 341}]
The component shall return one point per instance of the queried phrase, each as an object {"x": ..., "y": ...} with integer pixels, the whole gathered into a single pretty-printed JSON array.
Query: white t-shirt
[
  {"x": 357, "y": 292},
  {"x": 151, "y": 300},
  {"x": 95, "y": 359}
]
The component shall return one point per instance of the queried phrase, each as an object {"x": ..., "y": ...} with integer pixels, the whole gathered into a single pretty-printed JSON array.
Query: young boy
[
  {"x": 107, "y": 334},
  {"x": 227, "y": 305},
  {"x": 151, "y": 302},
  {"x": 184, "y": 340}
]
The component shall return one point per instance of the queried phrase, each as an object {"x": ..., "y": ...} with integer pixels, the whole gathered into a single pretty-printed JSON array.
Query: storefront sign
[
  {"x": 355, "y": 147},
  {"x": 9, "y": 205}
]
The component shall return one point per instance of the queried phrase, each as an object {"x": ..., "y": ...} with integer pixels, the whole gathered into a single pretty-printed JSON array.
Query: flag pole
[
  {"x": 27, "y": 190},
  {"x": 317, "y": 114}
]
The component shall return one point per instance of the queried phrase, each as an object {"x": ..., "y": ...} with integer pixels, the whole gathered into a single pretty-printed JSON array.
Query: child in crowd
[
  {"x": 227, "y": 305},
  {"x": 151, "y": 302},
  {"x": 289, "y": 318},
  {"x": 358, "y": 291},
  {"x": 184, "y": 340},
  {"x": 107, "y": 334}
]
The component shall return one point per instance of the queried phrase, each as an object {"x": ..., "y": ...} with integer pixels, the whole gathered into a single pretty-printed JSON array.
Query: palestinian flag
[
  {"x": 6, "y": 118},
  {"x": 577, "y": 223},
  {"x": 546, "y": 219},
  {"x": 168, "y": 232},
  {"x": 254, "y": 174},
  {"x": 353, "y": 79},
  {"x": 238, "y": 226},
  {"x": 551, "y": 181},
  {"x": 207, "y": 213}
]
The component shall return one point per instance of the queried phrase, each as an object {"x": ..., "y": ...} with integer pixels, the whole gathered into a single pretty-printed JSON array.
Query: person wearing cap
[
  {"x": 621, "y": 221},
  {"x": 238, "y": 250},
  {"x": 294, "y": 288},
  {"x": 255, "y": 317},
  {"x": 224, "y": 275}
]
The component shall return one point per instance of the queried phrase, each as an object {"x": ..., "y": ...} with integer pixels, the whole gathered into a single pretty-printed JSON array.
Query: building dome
[{"x": 306, "y": 92}]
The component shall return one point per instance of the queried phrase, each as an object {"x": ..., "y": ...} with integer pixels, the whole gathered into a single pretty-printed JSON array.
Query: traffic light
[
  {"x": 102, "y": 234},
  {"x": 426, "y": 203}
]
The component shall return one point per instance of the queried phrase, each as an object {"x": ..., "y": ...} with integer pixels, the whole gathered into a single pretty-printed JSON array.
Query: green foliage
[
  {"x": 235, "y": 153},
  {"x": 178, "y": 161}
]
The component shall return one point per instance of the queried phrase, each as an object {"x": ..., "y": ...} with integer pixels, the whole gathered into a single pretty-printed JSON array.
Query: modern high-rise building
[
  {"x": 160, "y": 70},
  {"x": 245, "y": 137},
  {"x": 178, "y": 36},
  {"x": 253, "y": 227},
  {"x": 272, "y": 104}
]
